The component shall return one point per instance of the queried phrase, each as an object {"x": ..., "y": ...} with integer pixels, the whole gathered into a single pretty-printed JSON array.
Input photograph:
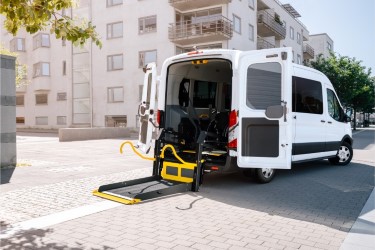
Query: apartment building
[
  {"x": 91, "y": 87},
  {"x": 322, "y": 44}
]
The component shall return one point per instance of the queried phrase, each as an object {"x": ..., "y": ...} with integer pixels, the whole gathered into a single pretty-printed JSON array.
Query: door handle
[
  {"x": 323, "y": 121},
  {"x": 329, "y": 122}
]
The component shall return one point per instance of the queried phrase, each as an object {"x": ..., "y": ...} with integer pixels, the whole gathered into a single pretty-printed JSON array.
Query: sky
[{"x": 351, "y": 25}]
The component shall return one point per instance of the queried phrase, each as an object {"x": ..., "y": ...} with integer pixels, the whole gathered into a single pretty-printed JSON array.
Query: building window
[
  {"x": 113, "y": 2},
  {"x": 116, "y": 121},
  {"x": 299, "y": 59},
  {"x": 140, "y": 92},
  {"x": 114, "y": 62},
  {"x": 146, "y": 57},
  {"x": 61, "y": 96},
  {"x": 114, "y": 30},
  {"x": 115, "y": 94},
  {"x": 17, "y": 44},
  {"x": 41, "y": 40},
  {"x": 64, "y": 68},
  {"x": 291, "y": 33},
  {"x": 20, "y": 100},
  {"x": 292, "y": 55},
  {"x": 237, "y": 24},
  {"x": 41, "y": 69},
  {"x": 251, "y": 4},
  {"x": 61, "y": 120},
  {"x": 329, "y": 46},
  {"x": 20, "y": 120},
  {"x": 147, "y": 24},
  {"x": 251, "y": 32},
  {"x": 41, "y": 98},
  {"x": 41, "y": 120},
  {"x": 299, "y": 38}
]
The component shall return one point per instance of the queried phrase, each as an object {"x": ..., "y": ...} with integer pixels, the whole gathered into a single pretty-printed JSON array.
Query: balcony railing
[
  {"x": 267, "y": 26},
  {"x": 215, "y": 28},
  {"x": 263, "y": 44},
  {"x": 184, "y": 5},
  {"x": 308, "y": 52}
]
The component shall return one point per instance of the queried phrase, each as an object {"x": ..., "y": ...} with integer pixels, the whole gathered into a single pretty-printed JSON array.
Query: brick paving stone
[
  {"x": 219, "y": 245},
  {"x": 236, "y": 242},
  {"x": 273, "y": 245}
]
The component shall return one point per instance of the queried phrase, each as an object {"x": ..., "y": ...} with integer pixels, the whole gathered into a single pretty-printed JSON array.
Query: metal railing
[
  {"x": 269, "y": 21},
  {"x": 210, "y": 25},
  {"x": 308, "y": 50},
  {"x": 263, "y": 44}
]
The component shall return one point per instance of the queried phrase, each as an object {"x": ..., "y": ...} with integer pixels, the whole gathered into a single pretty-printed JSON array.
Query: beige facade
[
  {"x": 322, "y": 44},
  {"x": 92, "y": 87}
]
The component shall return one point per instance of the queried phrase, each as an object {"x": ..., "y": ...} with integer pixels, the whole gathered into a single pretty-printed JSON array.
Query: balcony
[
  {"x": 210, "y": 29},
  {"x": 267, "y": 26},
  {"x": 308, "y": 52},
  {"x": 41, "y": 83},
  {"x": 184, "y": 5},
  {"x": 263, "y": 44}
]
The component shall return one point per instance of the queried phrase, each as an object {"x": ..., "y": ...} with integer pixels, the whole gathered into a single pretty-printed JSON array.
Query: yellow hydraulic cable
[{"x": 135, "y": 151}]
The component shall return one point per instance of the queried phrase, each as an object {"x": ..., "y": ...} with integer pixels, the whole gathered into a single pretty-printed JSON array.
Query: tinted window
[
  {"x": 307, "y": 96},
  {"x": 204, "y": 94},
  {"x": 334, "y": 108},
  {"x": 263, "y": 85}
]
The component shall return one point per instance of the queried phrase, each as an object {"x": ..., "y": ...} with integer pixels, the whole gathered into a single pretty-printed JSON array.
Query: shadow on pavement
[
  {"x": 36, "y": 239},
  {"x": 6, "y": 175},
  {"x": 315, "y": 192}
]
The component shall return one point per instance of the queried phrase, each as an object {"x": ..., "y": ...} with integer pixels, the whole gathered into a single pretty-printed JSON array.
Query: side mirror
[
  {"x": 348, "y": 119},
  {"x": 275, "y": 112}
]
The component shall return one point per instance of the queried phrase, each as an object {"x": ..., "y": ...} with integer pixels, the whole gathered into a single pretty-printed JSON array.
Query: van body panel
[
  {"x": 263, "y": 82},
  {"x": 146, "y": 110}
]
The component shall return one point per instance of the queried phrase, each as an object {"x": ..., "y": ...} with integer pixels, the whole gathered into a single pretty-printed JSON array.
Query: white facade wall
[
  {"x": 89, "y": 64},
  {"x": 290, "y": 22},
  {"x": 320, "y": 44}
]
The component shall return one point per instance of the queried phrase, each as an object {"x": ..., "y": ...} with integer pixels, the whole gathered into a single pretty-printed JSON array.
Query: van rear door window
[
  {"x": 307, "y": 96},
  {"x": 263, "y": 85}
]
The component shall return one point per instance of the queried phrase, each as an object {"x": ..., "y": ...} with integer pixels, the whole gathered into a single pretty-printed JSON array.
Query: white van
[{"x": 250, "y": 110}]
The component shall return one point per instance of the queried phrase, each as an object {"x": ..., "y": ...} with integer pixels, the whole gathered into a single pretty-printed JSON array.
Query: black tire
[
  {"x": 344, "y": 155},
  {"x": 264, "y": 175}
]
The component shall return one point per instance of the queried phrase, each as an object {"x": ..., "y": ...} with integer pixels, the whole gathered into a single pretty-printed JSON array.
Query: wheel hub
[{"x": 267, "y": 172}]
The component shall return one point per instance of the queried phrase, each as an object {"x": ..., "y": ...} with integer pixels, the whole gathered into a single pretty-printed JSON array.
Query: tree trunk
[{"x": 355, "y": 120}]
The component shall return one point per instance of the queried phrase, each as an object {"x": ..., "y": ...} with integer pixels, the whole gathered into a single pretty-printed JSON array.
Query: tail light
[
  {"x": 232, "y": 140},
  {"x": 160, "y": 118},
  {"x": 232, "y": 118}
]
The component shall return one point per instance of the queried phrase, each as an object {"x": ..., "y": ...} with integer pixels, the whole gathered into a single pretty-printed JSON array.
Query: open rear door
[
  {"x": 146, "y": 109},
  {"x": 265, "y": 126}
]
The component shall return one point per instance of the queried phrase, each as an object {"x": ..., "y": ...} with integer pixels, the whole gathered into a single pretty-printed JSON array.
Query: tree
[
  {"x": 21, "y": 69},
  {"x": 351, "y": 80},
  {"x": 36, "y": 15}
]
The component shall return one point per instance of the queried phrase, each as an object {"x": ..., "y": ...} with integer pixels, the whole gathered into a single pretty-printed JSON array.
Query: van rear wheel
[
  {"x": 260, "y": 175},
  {"x": 344, "y": 155},
  {"x": 264, "y": 175}
]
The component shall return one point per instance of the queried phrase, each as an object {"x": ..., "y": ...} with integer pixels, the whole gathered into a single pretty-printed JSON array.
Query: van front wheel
[
  {"x": 344, "y": 155},
  {"x": 264, "y": 175}
]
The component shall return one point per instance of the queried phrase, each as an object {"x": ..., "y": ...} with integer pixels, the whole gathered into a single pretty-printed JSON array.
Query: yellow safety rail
[
  {"x": 135, "y": 151},
  {"x": 171, "y": 170}
]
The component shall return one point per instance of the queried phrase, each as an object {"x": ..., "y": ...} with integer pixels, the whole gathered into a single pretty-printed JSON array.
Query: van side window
[
  {"x": 334, "y": 109},
  {"x": 204, "y": 94},
  {"x": 263, "y": 87},
  {"x": 307, "y": 96}
]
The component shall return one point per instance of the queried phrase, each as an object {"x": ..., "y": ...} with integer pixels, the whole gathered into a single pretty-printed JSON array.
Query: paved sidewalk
[{"x": 49, "y": 205}]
